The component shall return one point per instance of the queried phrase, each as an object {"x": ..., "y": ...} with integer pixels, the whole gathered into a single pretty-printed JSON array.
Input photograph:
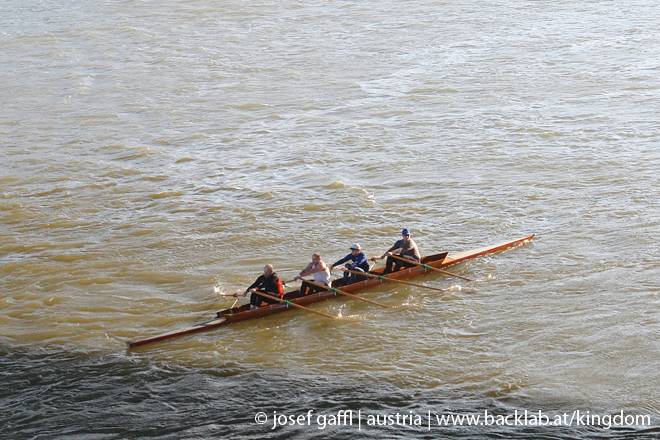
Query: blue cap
[{"x": 405, "y": 232}]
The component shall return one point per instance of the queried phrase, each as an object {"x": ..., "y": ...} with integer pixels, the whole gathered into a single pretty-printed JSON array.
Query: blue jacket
[{"x": 360, "y": 260}]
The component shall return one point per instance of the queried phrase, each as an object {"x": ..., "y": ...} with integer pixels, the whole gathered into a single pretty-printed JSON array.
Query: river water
[{"x": 155, "y": 154}]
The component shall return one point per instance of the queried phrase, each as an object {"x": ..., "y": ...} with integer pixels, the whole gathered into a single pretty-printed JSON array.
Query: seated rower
[
  {"x": 405, "y": 248},
  {"x": 268, "y": 283},
  {"x": 360, "y": 263},
  {"x": 321, "y": 274}
]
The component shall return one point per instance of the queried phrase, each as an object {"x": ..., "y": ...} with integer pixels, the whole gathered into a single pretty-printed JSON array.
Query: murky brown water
[{"x": 154, "y": 154}]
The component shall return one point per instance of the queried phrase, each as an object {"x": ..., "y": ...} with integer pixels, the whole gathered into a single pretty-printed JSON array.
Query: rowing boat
[{"x": 243, "y": 313}]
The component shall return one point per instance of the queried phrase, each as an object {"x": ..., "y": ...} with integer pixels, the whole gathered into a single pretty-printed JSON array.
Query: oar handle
[
  {"x": 380, "y": 277},
  {"x": 332, "y": 289},
  {"x": 289, "y": 303},
  {"x": 425, "y": 266}
]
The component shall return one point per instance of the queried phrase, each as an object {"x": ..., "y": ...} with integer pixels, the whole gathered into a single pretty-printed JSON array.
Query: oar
[
  {"x": 288, "y": 303},
  {"x": 380, "y": 277},
  {"x": 324, "y": 286},
  {"x": 431, "y": 268}
]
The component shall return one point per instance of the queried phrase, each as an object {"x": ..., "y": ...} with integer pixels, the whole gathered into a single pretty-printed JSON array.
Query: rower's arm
[
  {"x": 392, "y": 251},
  {"x": 321, "y": 268},
  {"x": 305, "y": 271}
]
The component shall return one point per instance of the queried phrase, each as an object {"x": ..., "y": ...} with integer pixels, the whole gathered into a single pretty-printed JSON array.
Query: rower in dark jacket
[
  {"x": 360, "y": 264},
  {"x": 268, "y": 283}
]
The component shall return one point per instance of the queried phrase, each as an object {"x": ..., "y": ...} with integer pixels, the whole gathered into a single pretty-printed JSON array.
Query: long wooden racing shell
[{"x": 243, "y": 313}]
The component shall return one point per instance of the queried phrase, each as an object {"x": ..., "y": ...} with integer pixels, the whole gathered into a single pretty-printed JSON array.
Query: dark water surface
[{"x": 110, "y": 396}]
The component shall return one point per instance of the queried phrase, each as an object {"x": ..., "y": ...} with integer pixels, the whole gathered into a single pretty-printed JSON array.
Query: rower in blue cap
[{"x": 405, "y": 248}]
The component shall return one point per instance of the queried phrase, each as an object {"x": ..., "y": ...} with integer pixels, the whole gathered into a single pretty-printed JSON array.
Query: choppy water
[{"x": 153, "y": 153}]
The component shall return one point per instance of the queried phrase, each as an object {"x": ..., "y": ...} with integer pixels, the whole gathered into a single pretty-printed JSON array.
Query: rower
[
  {"x": 360, "y": 263},
  {"x": 405, "y": 248},
  {"x": 268, "y": 283},
  {"x": 321, "y": 273}
]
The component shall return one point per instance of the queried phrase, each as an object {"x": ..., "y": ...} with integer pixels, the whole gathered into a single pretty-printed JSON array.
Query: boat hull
[{"x": 243, "y": 313}]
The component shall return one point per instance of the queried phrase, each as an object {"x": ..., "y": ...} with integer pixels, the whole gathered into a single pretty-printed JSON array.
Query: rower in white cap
[{"x": 360, "y": 263}]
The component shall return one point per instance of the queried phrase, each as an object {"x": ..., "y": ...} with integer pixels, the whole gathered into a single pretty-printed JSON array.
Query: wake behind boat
[{"x": 293, "y": 298}]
